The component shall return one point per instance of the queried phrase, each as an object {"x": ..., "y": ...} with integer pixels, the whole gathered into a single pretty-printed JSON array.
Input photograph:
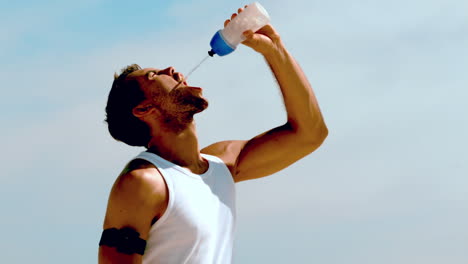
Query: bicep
[
  {"x": 268, "y": 153},
  {"x": 108, "y": 255},
  {"x": 264, "y": 154},
  {"x": 271, "y": 152}
]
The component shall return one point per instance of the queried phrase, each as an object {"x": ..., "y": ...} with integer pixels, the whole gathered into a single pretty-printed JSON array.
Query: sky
[{"x": 389, "y": 185}]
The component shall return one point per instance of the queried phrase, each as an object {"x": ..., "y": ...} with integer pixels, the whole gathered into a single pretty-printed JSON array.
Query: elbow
[{"x": 314, "y": 136}]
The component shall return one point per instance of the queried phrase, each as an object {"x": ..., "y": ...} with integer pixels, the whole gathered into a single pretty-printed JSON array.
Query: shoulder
[
  {"x": 137, "y": 197},
  {"x": 138, "y": 174},
  {"x": 139, "y": 190},
  {"x": 227, "y": 151}
]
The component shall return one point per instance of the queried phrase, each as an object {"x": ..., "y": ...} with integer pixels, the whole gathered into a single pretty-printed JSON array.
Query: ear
[{"x": 143, "y": 110}]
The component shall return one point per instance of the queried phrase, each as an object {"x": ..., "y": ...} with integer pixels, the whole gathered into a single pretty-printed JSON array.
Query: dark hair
[{"x": 125, "y": 94}]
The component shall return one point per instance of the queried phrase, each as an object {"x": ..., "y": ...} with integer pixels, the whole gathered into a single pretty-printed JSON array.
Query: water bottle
[{"x": 225, "y": 41}]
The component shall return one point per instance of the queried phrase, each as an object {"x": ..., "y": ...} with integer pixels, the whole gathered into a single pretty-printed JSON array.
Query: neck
[{"x": 178, "y": 145}]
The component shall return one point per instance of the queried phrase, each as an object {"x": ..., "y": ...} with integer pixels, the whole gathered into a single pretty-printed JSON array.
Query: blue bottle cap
[{"x": 219, "y": 45}]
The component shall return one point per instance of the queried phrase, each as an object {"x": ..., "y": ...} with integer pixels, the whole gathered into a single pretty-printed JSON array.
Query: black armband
[{"x": 126, "y": 240}]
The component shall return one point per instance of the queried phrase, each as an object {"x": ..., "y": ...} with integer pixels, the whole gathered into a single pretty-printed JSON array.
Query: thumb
[
  {"x": 248, "y": 35},
  {"x": 251, "y": 39}
]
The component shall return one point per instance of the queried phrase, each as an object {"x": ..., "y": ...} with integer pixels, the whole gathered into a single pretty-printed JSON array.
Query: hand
[{"x": 264, "y": 41}]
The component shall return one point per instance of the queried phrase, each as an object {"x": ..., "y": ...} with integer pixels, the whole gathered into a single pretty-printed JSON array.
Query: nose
[
  {"x": 178, "y": 76},
  {"x": 169, "y": 71}
]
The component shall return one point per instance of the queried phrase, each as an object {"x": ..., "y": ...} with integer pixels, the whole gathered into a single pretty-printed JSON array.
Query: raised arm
[{"x": 304, "y": 131}]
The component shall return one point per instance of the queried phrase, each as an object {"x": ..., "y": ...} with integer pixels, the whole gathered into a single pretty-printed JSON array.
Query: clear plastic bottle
[{"x": 226, "y": 40}]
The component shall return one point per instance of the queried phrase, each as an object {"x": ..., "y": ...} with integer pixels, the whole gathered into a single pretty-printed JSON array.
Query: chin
[
  {"x": 185, "y": 101},
  {"x": 203, "y": 104},
  {"x": 191, "y": 105}
]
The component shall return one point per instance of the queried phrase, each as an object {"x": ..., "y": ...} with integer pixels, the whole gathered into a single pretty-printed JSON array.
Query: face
[{"x": 167, "y": 90}]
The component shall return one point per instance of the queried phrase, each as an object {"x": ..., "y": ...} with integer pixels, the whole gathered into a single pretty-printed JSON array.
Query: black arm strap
[{"x": 126, "y": 240}]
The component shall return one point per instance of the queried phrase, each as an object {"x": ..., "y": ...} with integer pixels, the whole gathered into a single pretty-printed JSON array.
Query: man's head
[{"x": 140, "y": 99}]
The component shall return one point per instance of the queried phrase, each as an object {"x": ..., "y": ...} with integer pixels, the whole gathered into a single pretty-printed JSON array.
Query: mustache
[
  {"x": 182, "y": 90},
  {"x": 183, "y": 81}
]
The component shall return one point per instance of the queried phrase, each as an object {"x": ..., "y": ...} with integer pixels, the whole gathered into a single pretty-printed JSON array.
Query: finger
[
  {"x": 248, "y": 35},
  {"x": 246, "y": 6},
  {"x": 233, "y": 16},
  {"x": 226, "y": 22},
  {"x": 251, "y": 39},
  {"x": 240, "y": 10},
  {"x": 269, "y": 31}
]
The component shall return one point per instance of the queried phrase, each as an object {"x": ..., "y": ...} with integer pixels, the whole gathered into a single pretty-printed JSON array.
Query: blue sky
[{"x": 389, "y": 185}]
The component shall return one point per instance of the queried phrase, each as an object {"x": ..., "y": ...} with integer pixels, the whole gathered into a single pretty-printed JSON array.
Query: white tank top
[{"x": 198, "y": 224}]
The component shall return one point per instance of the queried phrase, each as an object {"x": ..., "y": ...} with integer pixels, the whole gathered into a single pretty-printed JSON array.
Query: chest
[{"x": 203, "y": 205}]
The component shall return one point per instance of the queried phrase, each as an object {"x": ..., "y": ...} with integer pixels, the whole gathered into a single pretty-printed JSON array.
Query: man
[{"x": 175, "y": 203}]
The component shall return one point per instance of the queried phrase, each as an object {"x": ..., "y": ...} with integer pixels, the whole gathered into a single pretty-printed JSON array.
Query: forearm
[{"x": 303, "y": 111}]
